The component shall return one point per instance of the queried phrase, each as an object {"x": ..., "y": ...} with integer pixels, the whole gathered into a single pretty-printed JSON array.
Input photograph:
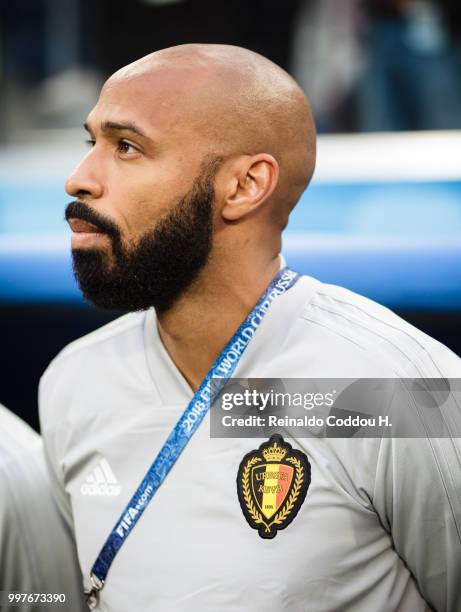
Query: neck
[{"x": 195, "y": 330}]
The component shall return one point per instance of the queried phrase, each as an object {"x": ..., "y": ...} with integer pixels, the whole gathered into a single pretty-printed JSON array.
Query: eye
[
  {"x": 90, "y": 142},
  {"x": 126, "y": 148}
]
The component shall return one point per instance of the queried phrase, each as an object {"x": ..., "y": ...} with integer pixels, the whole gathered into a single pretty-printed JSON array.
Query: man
[
  {"x": 198, "y": 154},
  {"x": 37, "y": 555}
]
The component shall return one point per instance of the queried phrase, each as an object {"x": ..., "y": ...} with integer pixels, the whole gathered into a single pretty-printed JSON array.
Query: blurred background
[{"x": 381, "y": 217}]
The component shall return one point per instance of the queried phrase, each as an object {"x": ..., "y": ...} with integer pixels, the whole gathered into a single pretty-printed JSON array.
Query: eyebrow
[{"x": 115, "y": 126}]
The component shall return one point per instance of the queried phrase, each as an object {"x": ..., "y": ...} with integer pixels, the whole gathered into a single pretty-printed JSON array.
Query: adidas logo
[{"x": 101, "y": 481}]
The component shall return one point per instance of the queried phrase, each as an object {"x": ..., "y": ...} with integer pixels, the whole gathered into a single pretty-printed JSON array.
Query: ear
[{"x": 253, "y": 179}]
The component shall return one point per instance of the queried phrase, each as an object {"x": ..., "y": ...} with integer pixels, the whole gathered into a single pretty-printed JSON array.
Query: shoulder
[
  {"x": 107, "y": 335},
  {"x": 22, "y": 466},
  {"x": 28, "y": 515},
  {"x": 114, "y": 334},
  {"x": 111, "y": 351},
  {"x": 16, "y": 435},
  {"x": 20, "y": 454},
  {"x": 353, "y": 324}
]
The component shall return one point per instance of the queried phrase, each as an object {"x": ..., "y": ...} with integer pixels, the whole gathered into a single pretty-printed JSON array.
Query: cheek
[
  {"x": 141, "y": 214},
  {"x": 136, "y": 204},
  {"x": 130, "y": 203}
]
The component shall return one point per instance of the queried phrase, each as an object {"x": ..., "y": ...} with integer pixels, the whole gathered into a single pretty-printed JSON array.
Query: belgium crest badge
[{"x": 272, "y": 483}]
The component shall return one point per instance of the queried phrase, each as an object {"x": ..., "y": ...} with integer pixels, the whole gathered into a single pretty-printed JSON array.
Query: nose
[{"x": 85, "y": 179}]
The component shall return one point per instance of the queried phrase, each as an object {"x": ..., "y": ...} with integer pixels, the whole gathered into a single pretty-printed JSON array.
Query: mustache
[{"x": 81, "y": 210}]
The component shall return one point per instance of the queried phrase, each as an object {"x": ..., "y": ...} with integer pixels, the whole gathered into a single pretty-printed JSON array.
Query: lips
[{"x": 78, "y": 226}]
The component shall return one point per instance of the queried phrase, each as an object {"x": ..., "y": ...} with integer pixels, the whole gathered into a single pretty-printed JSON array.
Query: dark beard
[{"x": 161, "y": 265}]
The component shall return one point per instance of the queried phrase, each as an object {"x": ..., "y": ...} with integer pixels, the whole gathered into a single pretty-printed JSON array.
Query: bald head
[
  {"x": 198, "y": 154},
  {"x": 237, "y": 102}
]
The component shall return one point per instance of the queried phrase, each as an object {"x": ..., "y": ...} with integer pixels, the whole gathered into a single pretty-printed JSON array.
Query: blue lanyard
[{"x": 184, "y": 429}]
